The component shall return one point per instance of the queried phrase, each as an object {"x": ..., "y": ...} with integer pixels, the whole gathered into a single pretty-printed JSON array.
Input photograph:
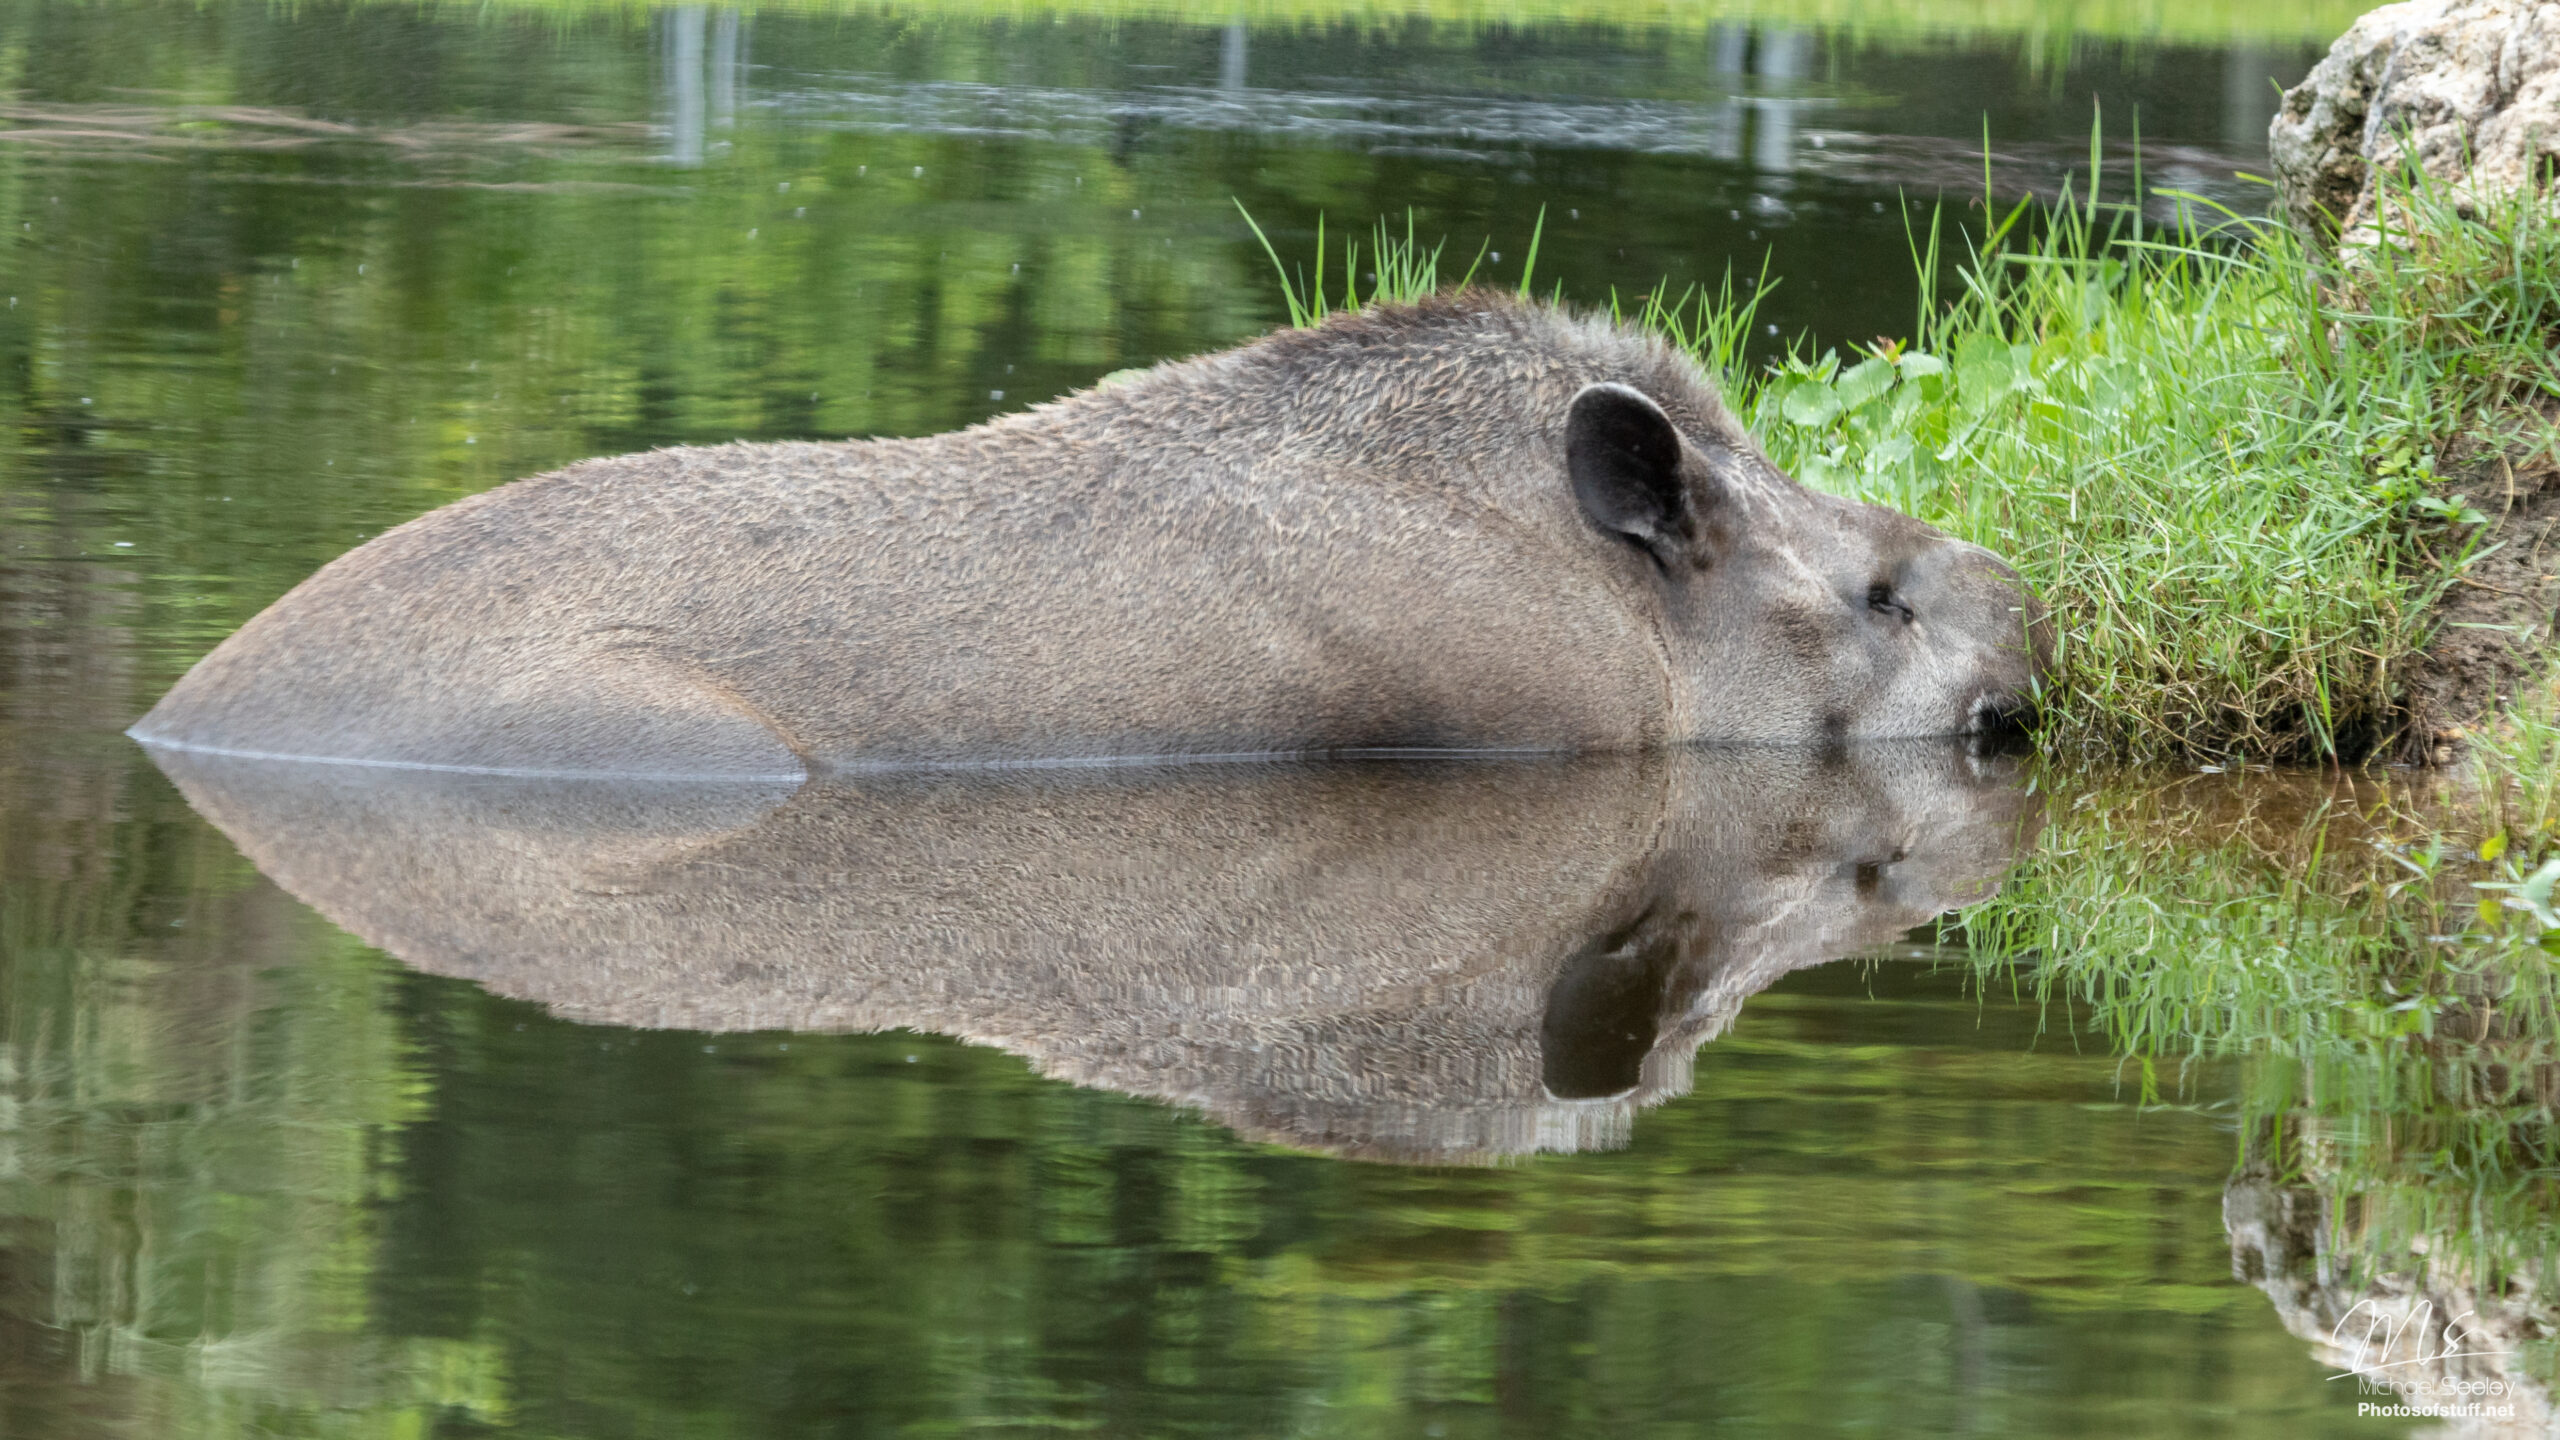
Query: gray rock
[{"x": 2471, "y": 86}]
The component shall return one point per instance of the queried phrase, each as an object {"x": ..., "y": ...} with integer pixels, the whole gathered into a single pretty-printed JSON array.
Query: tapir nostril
[{"x": 2000, "y": 713}]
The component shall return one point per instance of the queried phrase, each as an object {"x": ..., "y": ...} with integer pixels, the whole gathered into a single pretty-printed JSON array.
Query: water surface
[{"x": 1545, "y": 1100}]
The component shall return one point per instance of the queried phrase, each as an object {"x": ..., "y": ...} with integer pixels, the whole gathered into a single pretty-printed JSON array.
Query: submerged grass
[{"x": 2212, "y": 449}]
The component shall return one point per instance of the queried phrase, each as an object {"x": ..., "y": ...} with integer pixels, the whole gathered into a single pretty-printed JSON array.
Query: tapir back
[{"x": 1233, "y": 555}]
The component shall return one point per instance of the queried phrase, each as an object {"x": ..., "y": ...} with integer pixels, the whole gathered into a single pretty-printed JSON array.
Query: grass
[
  {"x": 2214, "y": 454},
  {"x": 2212, "y": 449},
  {"x": 2517, "y": 767},
  {"x": 2126, "y": 427}
]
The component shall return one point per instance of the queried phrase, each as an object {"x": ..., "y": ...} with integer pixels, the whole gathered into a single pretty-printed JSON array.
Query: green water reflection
[
  {"x": 278, "y": 278},
  {"x": 270, "y": 1182}
]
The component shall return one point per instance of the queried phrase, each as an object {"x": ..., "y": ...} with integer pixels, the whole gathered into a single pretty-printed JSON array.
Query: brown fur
[
  {"x": 1441, "y": 961},
  {"x": 1355, "y": 537}
]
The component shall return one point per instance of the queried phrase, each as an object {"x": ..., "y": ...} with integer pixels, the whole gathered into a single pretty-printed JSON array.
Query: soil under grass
[{"x": 2492, "y": 643}]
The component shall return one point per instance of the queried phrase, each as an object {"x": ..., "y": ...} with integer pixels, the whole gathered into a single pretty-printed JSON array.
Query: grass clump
[
  {"x": 2216, "y": 455},
  {"x": 2130, "y": 426},
  {"x": 2214, "y": 450},
  {"x": 2516, "y": 767}
]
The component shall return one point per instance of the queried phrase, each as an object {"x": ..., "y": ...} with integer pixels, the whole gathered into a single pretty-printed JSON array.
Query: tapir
[{"x": 1474, "y": 523}]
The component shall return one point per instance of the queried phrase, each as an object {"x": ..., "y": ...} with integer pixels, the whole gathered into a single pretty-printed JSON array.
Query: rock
[{"x": 2472, "y": 85}]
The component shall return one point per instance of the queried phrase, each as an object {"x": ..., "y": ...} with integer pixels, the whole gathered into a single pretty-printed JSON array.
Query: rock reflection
[
  {"x": 1429, "y": 962},
  {"x": 2400, "y": 1317}
]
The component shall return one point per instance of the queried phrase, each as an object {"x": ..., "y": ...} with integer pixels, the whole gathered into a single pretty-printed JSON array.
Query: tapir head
[{"x": 1794, "y": 616}]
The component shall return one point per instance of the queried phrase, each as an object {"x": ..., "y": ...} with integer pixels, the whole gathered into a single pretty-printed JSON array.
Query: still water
[{"x": 1523, "y": 1100}]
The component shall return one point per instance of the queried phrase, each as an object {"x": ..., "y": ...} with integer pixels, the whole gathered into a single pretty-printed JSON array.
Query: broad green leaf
[
  {"x": 1983, "y": 369},
  {"x": 1865, "y": 381},
  {"x": 1811, "y": 404}
]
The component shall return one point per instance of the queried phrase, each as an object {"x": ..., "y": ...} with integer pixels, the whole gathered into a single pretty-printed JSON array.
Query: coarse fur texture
[
  {"x": 1441, "y": 961},
  {"x": 1382, "y": 534}
]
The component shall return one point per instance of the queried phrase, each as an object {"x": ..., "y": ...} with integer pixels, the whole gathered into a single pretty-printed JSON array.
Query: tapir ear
[
  {"x": 1624, "y": 456},
  {"x": 1604, "y": 1012}
]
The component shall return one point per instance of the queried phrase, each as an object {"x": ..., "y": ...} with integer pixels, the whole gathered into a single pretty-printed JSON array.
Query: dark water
[{"x": 279, "y": 278}]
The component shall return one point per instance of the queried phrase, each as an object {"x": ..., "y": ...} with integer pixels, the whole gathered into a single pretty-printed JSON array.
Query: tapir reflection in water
[
  {"x": 1472, "y": 524},
  {"x": 1421, "y": 961}
]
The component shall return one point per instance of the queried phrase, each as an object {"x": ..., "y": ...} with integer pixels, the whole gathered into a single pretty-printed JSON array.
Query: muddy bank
[{"x": 2495, "y": 621}]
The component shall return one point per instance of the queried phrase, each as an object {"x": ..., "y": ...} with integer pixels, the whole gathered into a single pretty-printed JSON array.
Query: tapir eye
[{"x": 1882, "y": 600}]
